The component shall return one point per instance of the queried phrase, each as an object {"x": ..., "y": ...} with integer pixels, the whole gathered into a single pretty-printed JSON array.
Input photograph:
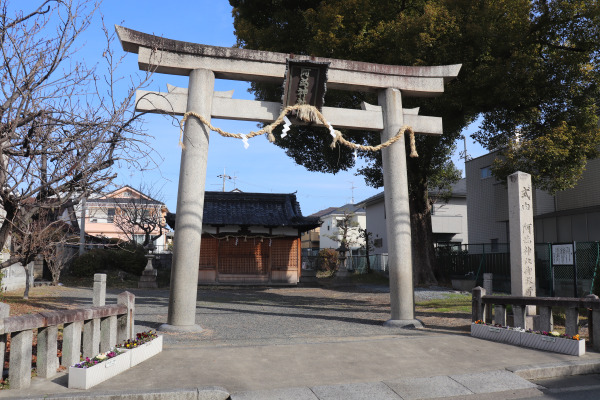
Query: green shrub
[
  {"x": 91, "y": 262},
  {"x": 127, "y": 257},
  {"x": 327, "y": 260}
]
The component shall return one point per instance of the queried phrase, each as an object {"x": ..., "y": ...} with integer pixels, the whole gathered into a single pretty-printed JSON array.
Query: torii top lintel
[{"x": 179, "y": 58}]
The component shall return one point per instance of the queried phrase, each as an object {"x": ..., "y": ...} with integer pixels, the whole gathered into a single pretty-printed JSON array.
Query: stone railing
[
  {"x": 482, "y": 306},
  {"x": 94, "y": 330}
]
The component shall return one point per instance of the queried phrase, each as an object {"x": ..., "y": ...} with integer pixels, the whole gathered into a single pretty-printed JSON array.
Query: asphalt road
[{"x": 580, "y": 387}]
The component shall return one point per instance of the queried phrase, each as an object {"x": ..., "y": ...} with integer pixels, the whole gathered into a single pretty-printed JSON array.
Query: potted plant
[
  {"x": 145, "y": 345},
  {"x": 541, "y": 340},
  {"x": 92, "y": 371},
  {"x": 496, "y": 332},
  {"x": 553, "y": 341}
]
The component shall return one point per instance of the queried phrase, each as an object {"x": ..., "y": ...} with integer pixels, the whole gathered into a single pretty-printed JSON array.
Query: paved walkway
[{"x": 303, "y": 343}]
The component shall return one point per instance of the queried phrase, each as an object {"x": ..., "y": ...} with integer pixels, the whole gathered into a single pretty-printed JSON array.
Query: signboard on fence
[{"x": 562, "y": 254}]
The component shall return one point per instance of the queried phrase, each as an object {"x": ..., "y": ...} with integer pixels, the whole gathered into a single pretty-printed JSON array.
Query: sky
[{"x": 263, "y": 167}]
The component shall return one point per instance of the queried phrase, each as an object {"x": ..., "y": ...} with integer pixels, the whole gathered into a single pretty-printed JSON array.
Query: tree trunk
[
  {"x": 423, "y": 253},
  {"x": 6, "y": 226},
  {"x": 27, "y": 282}
]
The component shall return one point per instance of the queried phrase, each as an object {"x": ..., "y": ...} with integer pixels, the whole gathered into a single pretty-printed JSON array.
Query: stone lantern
[
  {"x": 148, "y": 278},
  {"x": 342, "y": 270}
]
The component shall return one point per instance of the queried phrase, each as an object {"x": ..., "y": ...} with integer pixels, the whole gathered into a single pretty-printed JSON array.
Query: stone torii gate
[{"x": 203, "y": 64}]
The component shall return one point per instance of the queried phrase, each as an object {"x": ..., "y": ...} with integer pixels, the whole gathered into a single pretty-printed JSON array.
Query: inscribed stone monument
[{"x": 522, "y": 251}]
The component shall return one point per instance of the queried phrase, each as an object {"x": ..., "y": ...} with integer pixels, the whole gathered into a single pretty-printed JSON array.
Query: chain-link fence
[
  {"x": 471, "y": 261},
  {"x": 576, "y": 277},
  {"x": 377, "y": 262}
]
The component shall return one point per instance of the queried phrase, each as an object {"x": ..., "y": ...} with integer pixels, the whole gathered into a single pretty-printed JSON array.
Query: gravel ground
[
  {"x": 249, "y": 315},
  {"x": 238, "y": 316},
  {"x": 434, "y": 292}
]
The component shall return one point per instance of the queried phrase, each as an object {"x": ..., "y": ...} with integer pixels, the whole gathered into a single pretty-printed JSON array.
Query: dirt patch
[{"x": 43, "y": 298}]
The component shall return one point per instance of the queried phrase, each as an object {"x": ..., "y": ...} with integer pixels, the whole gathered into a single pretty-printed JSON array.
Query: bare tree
[
  {"x": 35, "y": 236},
  {"x": 62, "y": 125},
  {"x": 139, "y": 214},
  {"x": 58, "y": 255}
]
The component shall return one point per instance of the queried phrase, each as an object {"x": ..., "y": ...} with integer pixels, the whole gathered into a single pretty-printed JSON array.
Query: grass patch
[
  {"x": 452, "y": 303},
  {"x": 113, "y": 280},
  {"x": 371, "y": 278}
]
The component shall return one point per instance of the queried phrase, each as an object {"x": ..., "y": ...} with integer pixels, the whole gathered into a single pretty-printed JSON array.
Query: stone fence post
[
  {"x": 477, "y": 304},
  {"x": 594, "y": 324},
  {"x": 91, "y": 328},
  {"x": 4, "y": 313},
  {"x": 99, "y": 298},
  {"x": 125, "y": 323},
  {"x": 487, "y": 285}
]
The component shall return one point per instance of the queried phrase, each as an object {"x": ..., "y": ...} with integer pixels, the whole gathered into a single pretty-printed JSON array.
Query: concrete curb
[
  {"x": 199, "y": 393},
  {"x": 553, "y": 370}
]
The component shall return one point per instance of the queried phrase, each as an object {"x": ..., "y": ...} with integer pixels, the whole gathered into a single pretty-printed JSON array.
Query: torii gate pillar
[
  {"x": 190, "y": 207},
  {"x": 395, "y": 183}
]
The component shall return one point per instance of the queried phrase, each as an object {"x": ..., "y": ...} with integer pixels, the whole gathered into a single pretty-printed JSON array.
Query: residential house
[
  {"x": 119, "y": 213},
  {"x": 311, "y": 240},
  {"x": 251, "y": 238},
  {"x": 330, "y": 235},
  {"x": 571, "y": 215},
  {"x": 448, "y": 219}
]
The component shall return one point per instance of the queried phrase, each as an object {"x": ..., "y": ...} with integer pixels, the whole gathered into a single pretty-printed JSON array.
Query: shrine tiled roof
[{"x": 253, "y": 209}]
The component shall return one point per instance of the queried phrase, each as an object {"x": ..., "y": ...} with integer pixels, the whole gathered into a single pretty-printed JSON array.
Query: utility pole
[
  {"x": 464, "y": 153},
  {"x": 82, "y": 226},
  {"x": 224, "y": 176}
]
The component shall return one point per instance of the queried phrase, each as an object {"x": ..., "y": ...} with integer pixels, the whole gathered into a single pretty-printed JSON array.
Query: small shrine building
[{"x": 251, "y": 238}]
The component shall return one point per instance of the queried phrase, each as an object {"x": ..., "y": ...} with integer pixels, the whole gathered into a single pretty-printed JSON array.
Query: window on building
[
  {"x": 494, "y": 245},
  {"x": 110, "y": 215},
  {"x": 486, "y": 172},
  {"x": 139, "y": 239}
]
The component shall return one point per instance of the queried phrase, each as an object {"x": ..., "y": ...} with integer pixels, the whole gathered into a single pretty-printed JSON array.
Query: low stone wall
[
  {"x": 94, "y": 329},
  {"x": 14, "y": 278},
  {"x": 523, "y": 312}
]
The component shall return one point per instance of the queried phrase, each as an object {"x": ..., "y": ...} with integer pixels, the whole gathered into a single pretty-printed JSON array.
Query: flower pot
[
  {"x": 145, "y": 351},
  {"x": 554, "y": 344},
  {"x": 501, "y": 335},
  {"x": 531, "y": 340},
  {"x": 85, "y": 378}
]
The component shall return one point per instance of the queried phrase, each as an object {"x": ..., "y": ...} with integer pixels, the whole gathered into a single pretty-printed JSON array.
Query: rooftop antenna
[
  {"x": 234, "y": 177},
  {"x": 352, "y": 188}
]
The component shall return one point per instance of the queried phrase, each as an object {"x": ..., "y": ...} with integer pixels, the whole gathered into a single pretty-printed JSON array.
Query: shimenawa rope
[{"x": 305, "y": 113}]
